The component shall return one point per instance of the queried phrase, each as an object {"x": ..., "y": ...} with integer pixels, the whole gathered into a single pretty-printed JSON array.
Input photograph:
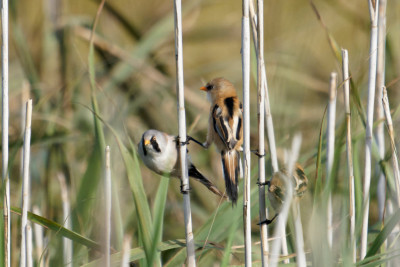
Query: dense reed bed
[{"x": 103, "y": 72}]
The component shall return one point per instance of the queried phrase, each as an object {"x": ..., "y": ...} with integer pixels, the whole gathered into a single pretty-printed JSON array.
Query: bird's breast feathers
[{"x": 164, "y": 162}]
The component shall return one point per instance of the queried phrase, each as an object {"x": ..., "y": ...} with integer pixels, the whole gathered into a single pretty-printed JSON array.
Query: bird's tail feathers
[
  {"x": 194, "y": 173},
  {"x": 231, "y": 168}
]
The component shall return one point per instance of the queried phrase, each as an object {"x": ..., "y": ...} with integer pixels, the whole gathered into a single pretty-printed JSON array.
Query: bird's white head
[{"x": 153, "y": 142}]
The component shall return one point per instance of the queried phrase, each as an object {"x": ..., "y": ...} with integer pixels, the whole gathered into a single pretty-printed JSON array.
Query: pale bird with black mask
[{"x": 160, "y": 153}]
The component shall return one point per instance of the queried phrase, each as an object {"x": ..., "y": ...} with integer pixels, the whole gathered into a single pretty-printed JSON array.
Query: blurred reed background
[{"x": 136, "y": 90}]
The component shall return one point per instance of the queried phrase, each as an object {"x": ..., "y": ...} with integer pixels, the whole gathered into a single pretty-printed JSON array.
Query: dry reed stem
[
  {"x": 346, "y": 93},
  {"x": 380, "y": 82},
  {"x": 330, "y": 147},
  {"x": 301, "y": 256},
  {"x": 389, "y": 122},
  {"x": 268, "y": 116},
  {"x": 283, "y": 215},
  {"x": 393, "y": 237},
  {"x": 126, "y": 247},
  {"x": 25, "y": 181},
  {"x": 29, "y": 259},
  {"x": 5, "y": 117},
  {"x": 370, "y": 117},
  {"x": 246, "y": 129},
  {"x": 67, "y": 243},
  {"x": 269, "y": 122},
  {"x": 38, "y": 229},
  {"x": 107, "y": 193},
  {"x": 191, "y": 257},
  {"x": 261, "y": 149}
]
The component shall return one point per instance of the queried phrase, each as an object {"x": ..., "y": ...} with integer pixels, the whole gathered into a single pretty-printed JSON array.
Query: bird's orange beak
[
  {"x": 146, "y": 142},
  {"x": 203, "y": 88}
]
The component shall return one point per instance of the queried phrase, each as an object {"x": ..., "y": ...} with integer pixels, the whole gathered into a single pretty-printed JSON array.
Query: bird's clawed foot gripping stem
[
  {"x": 179, "y": 143},
  {"x": 188, "y": 139},
  {"x": 257, "y": 153},
  {"x": 183, "y": 191},
  {"x": 268, "y": 221},
  {"x": 266, "y": 183}
]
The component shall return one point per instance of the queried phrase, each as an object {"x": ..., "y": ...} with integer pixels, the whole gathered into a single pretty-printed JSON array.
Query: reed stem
[
  {"x": 373, "y": 11},
  {"x": 246, "y": 129},
  {"x": 330, "y": 148},
  {"x": 126, "y": 247},
  {"x": 108, "y": 205},
  {"x": 380, "y": 117},
  {"x": 25, "y": 181},
  {"x": 191, "y": 258},
  {"x": 5, "y": 117},
  {"x": 67, "y": 243},
  {"x": 261, "y": 117},
  {"x": 395, "y": 162},
  {"x": 283, "y": 215},
  {"x": 349, "y": 152}
]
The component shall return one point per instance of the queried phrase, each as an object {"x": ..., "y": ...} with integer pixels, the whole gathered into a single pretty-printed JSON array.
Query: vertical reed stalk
[
  {"x": 268, "y": 117},
  {"x": 126, "y": 247},
  {"x": 246, "y": 129},
  {"x": 270, "y": 128},
  {"x": 25, "y": 96},
  {"x": 330, "y": 148},
  {"x": 107, "y": 193},
  {"x": 38, "y": 229},
  {"x": 5, "y": 116},
  {"x": 269, "y": 122},
  {"x": 352, "y": 208},
  {"x": 261, "y": 149},
  {"x": 370, "y": 117},
  {"x": 283, "y": 215},
  {"x": 67, "y": 243},
  {"x": 191, "y": 257},
  {"x": 25, "y": 181},
  {"x": 395, "y": 162},
  {"x": 380, "y": 82},
  {"x": 301, "y": 256},
  {"x": 29, "y": 259}
]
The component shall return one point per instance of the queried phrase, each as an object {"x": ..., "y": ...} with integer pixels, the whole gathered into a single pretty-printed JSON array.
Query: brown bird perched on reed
[
  {"x": 160, "y": 153},
  {"x": 277, "y": 188},
  {"x": 225, "y": 130}
]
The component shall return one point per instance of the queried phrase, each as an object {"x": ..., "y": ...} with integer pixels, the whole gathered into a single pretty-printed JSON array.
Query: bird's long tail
[
  {"x": 194, "y": 173},
  {"x": 231, "y": 168}
]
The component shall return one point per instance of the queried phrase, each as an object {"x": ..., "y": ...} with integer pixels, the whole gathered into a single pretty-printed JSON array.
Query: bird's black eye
[
  {"x": 209, "y": 87},
  {"x": 155, "y": 145}
]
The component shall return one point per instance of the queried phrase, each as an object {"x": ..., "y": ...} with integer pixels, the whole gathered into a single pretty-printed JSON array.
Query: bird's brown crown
[{"x": 220, "y": 88}]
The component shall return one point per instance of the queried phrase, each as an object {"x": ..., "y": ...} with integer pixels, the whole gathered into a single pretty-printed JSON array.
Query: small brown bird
[
  {"x": 225, "y": 130},
  {"x": 160, "y": 153},
  {"x": 277, "y": 188}
]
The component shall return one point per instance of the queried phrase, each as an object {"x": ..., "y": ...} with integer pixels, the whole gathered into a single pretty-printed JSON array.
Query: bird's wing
[
  {"x": 227, "y": 126},
  {"x": 301, "y": 181},
  {"x": 221, "y": 125}
]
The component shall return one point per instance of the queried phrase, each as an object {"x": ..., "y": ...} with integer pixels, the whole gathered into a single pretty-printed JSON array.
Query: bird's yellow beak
[
  {"x": 146, "y": 142},
  {"x": 203, "y": 88}
]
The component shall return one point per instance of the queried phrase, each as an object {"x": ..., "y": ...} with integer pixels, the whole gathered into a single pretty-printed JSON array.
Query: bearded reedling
[
  {"x": 160, "y": 153},
  {"x": 277, "y": 188},
  {"x": 225, "y": 130}
]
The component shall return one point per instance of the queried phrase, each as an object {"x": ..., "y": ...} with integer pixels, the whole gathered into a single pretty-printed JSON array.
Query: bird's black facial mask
[
  {"x": 209, "y": 87},
  {"x": 144, "y": 147},
  {"x": 154, "y": 144}
]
